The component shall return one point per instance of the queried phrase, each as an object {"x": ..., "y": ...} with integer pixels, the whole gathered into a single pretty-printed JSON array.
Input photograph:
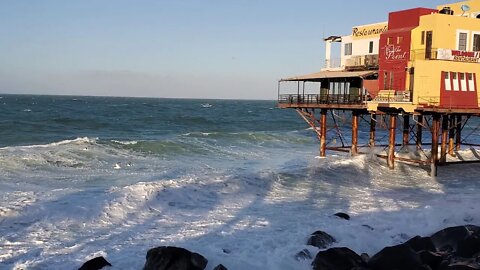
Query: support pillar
[
  {"x": 434, "y": 151},
  {"x": 391, "y": 142},
  {"x": 373, "y": 123},
  {"x": 443, "y": 153},
  {"x": 354, "y": 150},
  {"x": 458, "y": 133},
  {"x": 323, "y": 133},
  {"x": 451, "y": 136},
  {"x": 406, "y": 129},
  {"x": 419, "y": 131}
]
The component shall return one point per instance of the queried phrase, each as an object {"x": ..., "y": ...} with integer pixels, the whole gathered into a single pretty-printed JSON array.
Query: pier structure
[{"x": 417, "y": 73}]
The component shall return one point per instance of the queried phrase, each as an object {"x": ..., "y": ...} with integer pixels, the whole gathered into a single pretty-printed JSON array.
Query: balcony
[{"x": 362, "y": 62}]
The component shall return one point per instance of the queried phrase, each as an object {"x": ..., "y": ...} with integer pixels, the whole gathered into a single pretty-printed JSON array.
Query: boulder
[
  {"x": 468, "y": 247},
  {"x": 220, "y": 267},
  {"x": 400, "y": 257},
  {"x": 448, "y": 238},
  {"x": 419, "y": 243},
  {"x": 95, "y": 264},
  {"x": 320, "y": 239},
  {"x": 461, "y": 266},
  {"x": 174, "y": 258},
  {"x": 338, "y": 259},
  {"x": 342, "y": 215},
  {"x": 430, "y": 258}
]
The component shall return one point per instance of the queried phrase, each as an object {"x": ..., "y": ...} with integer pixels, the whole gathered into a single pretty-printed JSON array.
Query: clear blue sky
[{"x": 177, "y": 48}]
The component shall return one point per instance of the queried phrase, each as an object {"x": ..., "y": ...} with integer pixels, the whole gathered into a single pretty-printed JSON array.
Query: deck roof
[{"x": 331, "y": 74}]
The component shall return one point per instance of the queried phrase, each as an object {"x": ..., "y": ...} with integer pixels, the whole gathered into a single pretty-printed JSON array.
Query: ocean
[{"x": 237, "y": 181}]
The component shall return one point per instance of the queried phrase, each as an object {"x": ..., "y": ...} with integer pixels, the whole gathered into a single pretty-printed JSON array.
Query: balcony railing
[
  {"x": 321, "y": 99},
  {"x": 362, "y": 61}
]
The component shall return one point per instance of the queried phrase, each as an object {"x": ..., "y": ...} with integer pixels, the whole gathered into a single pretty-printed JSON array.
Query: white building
[{"x": 359, "y": 51}]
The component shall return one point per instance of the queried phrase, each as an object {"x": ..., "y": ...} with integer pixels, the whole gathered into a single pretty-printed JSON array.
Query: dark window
[
  {"x": 423, "y": 38},
  {"x": 399, "y": 40},
  {"x": 462, "y": 41},
  {"x": 476, "y": 42},
  {"x": 348, "y": 48},
  {"x": 370, "y": 47}
]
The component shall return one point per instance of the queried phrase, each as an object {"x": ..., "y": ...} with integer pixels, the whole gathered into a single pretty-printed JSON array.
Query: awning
[{"x": 332, "y": 74}]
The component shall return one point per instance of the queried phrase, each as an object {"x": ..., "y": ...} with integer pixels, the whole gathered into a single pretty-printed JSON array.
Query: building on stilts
[{"x": 418, "y": 71}]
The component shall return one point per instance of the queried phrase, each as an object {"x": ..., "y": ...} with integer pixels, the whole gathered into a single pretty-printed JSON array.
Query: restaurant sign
[
  {"x": 369, "y": 31},
  {"x": 458, "y": 56}
]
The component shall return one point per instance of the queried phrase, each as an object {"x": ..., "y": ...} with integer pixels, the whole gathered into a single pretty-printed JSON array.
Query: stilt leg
[
  {"x": 323, "y": 133},
  {"x": 443, "y": 153},
  {"x": 434, "y": 151},
  {"x": 406, "y": 129},
  {"x": 354, "y": 149},
  {"x": 391, "y": 143}
]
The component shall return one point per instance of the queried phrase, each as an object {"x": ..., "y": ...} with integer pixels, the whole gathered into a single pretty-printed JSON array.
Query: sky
[{"x": 225, "y": 49}]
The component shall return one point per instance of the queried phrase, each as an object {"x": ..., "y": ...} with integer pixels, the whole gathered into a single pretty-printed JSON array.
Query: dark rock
[
  {"x": 174, "y": 258},
  {"x": 400, "y": 257},
  {"x": 95, "y": 264},
  {"x": 418, "y": 243},
  {"x": 431, "y": 259},
  {"x": 220, "y": 267},
  {"x": 368, "y": 227},
  {"x": 447, "y": 239},
  {"x": 320, "y": 239},
  {"x": 424, "y": 267},
  {"x": 337, "y": 259},
  {"x": 342, "y": 215},
  {"x": 461, "y": 266},
  {"x": 226, "y": 251},
  {"x": 303, "y": 255},
  {"x": 468, "y": 247}
]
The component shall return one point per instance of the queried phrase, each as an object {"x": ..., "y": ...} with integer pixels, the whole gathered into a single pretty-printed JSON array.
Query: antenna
[{"x": 465, "y": 8}]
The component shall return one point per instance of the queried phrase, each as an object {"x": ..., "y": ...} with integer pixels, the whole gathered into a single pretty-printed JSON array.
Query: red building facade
[{"x": 395, "y": 43}]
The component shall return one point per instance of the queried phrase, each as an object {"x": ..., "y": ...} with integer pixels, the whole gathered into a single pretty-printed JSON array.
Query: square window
[{"x": 454, "y": 75}]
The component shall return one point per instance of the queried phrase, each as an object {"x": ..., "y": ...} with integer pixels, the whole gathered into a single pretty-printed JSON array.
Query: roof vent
[{"x": 446, "y": 10}]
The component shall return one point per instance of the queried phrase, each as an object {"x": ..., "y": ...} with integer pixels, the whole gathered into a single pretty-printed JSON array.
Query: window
[
  {"x": 422, "y": 40},
  {"x": 455, "y": 81},
  {"x": 463, "y": 82},
  {"x": 399, "y": 40},
  {"x": 389, "y": 40},
  {"x": 448, "y": 84},
  {"x": 462, "y": 41},
  {"x": 370, "y": 47},
  {"x": 391, "y": 80},
  {"x": 348, "y": 48},
  {"x": 471, "y": 83},
  {"x": 385, "y": 76},
  {"x": 476, "y": 42}
]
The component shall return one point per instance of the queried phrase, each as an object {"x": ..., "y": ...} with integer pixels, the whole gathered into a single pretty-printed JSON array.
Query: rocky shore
[{"x": 453, "y": 248}]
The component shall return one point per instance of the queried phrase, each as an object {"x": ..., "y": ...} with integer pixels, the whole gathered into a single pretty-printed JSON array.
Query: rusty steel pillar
[
  {"x": 323, "y": 133},
  {"x": 434, "y": 151},
  {"x": 419, "y": 131},
  {"x": 458, "y": 133},
  {"x": 443, "y": 153},
  {"x": 451, "y": 135},
  {"x": 354, "y": 150},
  {"x": 406, "y": 129},
  {"x": 373, "y": 123},
  {"x": 391, "y": 142}
]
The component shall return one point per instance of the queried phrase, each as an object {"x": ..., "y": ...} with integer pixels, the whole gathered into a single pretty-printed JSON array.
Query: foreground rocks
[
  {"x": 454, "y": 248},
  {"x": 95, "y": 264},
  {"x": 174, "y": 258}
]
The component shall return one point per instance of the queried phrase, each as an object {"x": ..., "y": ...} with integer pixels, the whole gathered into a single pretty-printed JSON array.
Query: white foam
[{"x": 245, "y": 220}]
